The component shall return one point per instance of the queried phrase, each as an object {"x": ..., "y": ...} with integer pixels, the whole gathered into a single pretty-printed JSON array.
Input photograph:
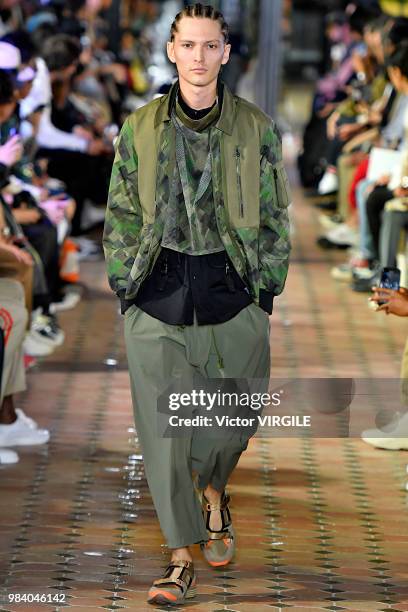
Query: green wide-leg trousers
[{"x": 159, "y": 354}]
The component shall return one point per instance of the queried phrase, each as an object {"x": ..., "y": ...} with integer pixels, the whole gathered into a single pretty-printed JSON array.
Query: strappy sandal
[
  {"x": 220, "y": 548},
  {"x": 171, "y": 590}
]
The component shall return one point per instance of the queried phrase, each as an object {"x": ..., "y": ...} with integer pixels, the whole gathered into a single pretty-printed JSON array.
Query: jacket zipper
[
  {"x": 279, "y": 183},
  {"x": 275, "y": 175},
  {"x": 239, "y": 184},
  {"x": 234, "y": 242}
]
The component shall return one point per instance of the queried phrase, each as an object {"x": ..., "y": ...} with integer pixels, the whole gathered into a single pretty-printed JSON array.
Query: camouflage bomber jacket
[{"x": 250, "y": 186}]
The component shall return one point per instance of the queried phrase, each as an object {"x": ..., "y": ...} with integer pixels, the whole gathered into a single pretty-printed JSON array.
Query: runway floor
[{"x": 322, "y": 524}]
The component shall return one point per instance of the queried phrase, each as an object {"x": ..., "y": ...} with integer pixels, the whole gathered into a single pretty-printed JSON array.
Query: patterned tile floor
[{"x": 322, "y": 524}]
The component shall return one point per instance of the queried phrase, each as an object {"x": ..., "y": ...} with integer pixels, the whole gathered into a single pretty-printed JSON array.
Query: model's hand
[{"x": 396, "y": 302}]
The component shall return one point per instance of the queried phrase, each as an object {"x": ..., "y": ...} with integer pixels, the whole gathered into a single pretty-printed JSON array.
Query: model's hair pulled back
[{"x": 200, "y": 10}]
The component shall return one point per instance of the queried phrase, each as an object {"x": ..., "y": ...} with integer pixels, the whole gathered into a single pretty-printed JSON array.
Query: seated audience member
[
  {"x": 332, "y": 87},
  {"x": 75, "y": 157},
  {"x": 46, "y": 287},
  {"x": 393, "y": 133},
  {"x": 16, "y": 429},
  {"x": 363, "y": 108},
  {"x": 396, "y": 188},
  {"x": 47, "y": 222},
  {"x": 396, "y": 303},
  {"x": 330, "y": 91}
]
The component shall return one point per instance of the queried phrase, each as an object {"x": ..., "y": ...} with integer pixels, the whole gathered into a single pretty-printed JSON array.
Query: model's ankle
[
  {"x": 181, "y": 554},
  {"x": 212, "y": 495}
]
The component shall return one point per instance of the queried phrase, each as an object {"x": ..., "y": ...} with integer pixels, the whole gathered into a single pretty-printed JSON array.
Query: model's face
[{"x": 198, "y": 50}]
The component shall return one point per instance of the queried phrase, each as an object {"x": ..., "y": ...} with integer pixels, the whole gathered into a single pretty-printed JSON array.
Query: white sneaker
[
  {"x": 329, "y": 183},
  {"x": 47, "y": 331},
  {"x": 342, "y": 272},
  {"x": 21, "y": 415},
  {"x": 342, "y": 234},
  {"x": 87, "y": 249},
  {"x": 8, "y": 457},
  {"x": 70, "y": 300},
  {"x": 364, "y": 273},
  {"x": 329, "y": 222},
  {"x": 395, "y": 439},
  {"x": 91, "y": 215},
  {"x": 35, "y": 347},
  {"x": 20, "y": 433}
]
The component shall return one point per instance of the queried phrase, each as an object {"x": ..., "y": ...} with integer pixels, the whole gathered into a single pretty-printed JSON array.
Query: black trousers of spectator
[
  {"x": 43, "y": 237},
  {"x": 336, "y": 145},
  {"x": 86, "y": 177},
  {"x": 375, "y": 205}
]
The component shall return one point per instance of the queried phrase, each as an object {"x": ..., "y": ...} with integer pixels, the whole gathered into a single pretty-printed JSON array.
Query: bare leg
[
  {"x": 7, "y": 412},
  {"x": 181, "y": 554},
  {"x": 214, "y": 497}
]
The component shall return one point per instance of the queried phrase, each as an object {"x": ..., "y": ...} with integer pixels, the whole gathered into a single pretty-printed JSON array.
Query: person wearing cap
[{"x": 25, "y": 76}]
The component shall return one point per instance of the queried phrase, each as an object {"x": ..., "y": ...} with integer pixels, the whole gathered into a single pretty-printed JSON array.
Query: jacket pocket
[
  {"x": 282, "y": 188},
  {"x": 223, "y": 270}
]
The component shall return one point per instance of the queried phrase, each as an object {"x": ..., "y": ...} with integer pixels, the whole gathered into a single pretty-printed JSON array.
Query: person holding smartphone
[{"x": 395, "y": 302}]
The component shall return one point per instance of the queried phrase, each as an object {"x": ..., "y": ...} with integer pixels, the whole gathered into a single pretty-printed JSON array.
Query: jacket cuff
[{"x": 266, "y": 300}]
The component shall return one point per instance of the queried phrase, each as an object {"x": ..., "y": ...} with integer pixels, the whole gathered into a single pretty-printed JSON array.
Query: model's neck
[{"x": 198, "y": 97}]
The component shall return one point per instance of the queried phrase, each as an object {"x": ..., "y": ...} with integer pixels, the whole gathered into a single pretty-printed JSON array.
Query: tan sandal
[
  {"x": 170, "y": 590},
  {"x": 220, "y": 548}
]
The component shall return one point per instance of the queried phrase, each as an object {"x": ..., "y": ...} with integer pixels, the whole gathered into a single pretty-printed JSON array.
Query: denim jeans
[{"x": 366, "y": 241}]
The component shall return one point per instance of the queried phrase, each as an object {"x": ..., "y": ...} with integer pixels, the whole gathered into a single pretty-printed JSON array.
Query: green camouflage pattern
[
  {"x": 123, "y": 237},
  {"x": 190, "y": 224},
  {"x": 259, "y": 252},
  {"x": 274, "y": 240}
]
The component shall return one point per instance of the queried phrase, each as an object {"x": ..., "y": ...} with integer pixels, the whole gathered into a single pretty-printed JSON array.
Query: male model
[{"x": 197, "y": 242}]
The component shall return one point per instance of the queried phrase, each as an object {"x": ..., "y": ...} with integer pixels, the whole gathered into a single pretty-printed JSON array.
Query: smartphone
[{"x": 390, "y": 279}]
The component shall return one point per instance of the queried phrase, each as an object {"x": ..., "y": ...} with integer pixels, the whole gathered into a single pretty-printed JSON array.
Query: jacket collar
[{"x": 228, "y": 111}]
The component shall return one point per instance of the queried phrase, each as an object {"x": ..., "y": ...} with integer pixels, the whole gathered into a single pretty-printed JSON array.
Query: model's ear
[
  {"x": 170, "y": 51},
  {"x": 225, "y": 57}
]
